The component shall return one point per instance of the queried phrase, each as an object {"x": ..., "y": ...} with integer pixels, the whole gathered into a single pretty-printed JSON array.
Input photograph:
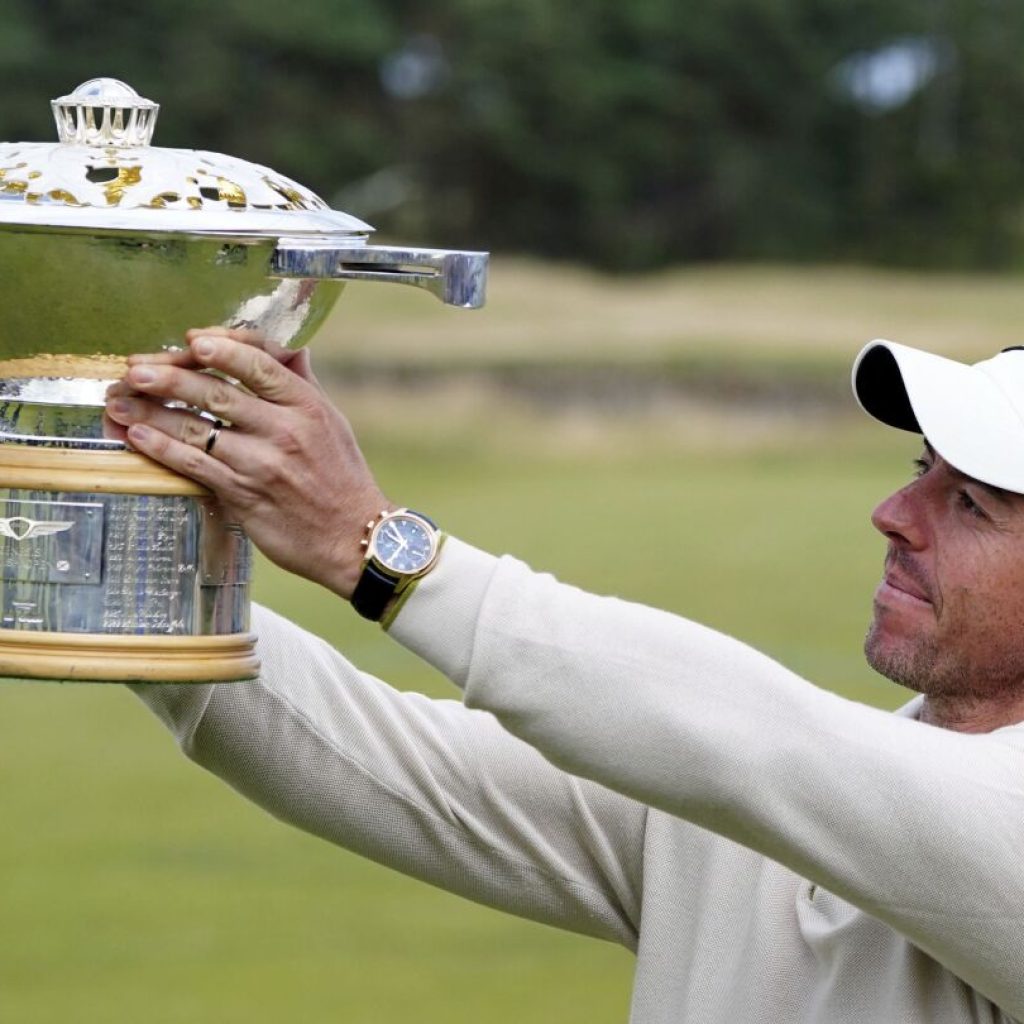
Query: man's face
[{"x": 949, "y": 613}]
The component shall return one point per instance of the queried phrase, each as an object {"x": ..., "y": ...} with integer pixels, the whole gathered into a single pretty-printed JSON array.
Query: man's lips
[{"x": 898, "y": 587}]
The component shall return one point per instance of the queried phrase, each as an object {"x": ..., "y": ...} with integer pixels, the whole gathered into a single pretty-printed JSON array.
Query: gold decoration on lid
[{"x": 126, "y": 177}]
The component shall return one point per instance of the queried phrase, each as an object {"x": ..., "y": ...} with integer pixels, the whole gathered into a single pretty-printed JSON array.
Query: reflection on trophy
[{"x": 114, "y": 568}]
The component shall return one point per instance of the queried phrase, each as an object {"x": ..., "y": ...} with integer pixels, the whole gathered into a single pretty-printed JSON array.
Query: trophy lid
[{"x": 103, "y": 175}]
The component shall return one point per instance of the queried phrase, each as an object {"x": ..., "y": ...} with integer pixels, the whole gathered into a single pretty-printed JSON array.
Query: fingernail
[
  {"x": 142, "y": 375},
  {"x": 137, "y": 432},
  {"x": 203, "y": 347},
  {"x": 120, "y": 406}
]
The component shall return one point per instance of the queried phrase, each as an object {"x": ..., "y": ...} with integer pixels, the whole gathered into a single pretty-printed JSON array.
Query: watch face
[{"x": 404, "y": 544}]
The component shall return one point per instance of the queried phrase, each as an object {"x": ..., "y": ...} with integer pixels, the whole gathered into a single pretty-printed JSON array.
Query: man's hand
[{"x": 285, "y": 465}]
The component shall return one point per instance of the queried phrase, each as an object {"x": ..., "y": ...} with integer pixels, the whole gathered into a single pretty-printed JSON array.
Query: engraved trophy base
[{"x": 112, "y": 568}]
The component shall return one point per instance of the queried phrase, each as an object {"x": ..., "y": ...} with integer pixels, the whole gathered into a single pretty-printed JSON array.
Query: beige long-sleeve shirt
[{"x": 772, "y": 852}]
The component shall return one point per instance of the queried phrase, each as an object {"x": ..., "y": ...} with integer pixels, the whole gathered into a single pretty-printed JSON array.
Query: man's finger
[
  {"x": 114, "y": 431},
  {"x": 182, "y": 355},
  {"x": 259, "y": 371},
  {"x": 255, "y": 339},
  {"x": 177, "y": 423},
  {"x": 243, "y": 334},
  {"x": 301, "y": 365},
  {"x": 185, "y": 459},
  {"x": 232, "y": 448},
  {"x": 179, "y": 356},
  {"x": 119, "y": 388},
  {"x": 199, "y": 390}
]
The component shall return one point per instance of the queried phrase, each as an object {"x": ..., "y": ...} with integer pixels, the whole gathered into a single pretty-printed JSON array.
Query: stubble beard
[
  {"x": 942, "y": 669},
  {"x": 914, "y": 666}
]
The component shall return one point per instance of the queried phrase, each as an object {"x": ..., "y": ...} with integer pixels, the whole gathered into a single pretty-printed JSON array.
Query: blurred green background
[
  {"x": 697, "y": 213},
  {"x": 623, "y": 135}
]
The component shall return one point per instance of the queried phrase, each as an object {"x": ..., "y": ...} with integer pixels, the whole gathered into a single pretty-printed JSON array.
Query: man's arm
[
  {"x": 920, "y": 827},
  {"x": 429, "y": 788}
]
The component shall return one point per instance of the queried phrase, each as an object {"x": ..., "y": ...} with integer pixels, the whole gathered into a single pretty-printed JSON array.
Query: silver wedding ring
[{"x": 214, "y": 434}]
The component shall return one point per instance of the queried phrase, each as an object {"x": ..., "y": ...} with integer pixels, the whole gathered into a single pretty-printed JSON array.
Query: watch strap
[
  {"x": 420, "y": 515},
  {"x": 373, "y": 591}
]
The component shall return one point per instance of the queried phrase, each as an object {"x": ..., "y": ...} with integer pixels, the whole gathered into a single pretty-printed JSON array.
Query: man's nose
[{"x": 899, "y": 518}]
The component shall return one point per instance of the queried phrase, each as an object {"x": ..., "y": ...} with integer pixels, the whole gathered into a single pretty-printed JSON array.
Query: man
[{"x": 770, "y": 851}]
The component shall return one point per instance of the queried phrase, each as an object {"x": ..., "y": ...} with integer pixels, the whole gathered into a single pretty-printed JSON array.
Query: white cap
[{"x": 973, "y": 416}]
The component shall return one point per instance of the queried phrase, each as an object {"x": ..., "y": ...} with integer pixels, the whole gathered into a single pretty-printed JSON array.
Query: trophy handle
[{"x": 456, "y": 278}]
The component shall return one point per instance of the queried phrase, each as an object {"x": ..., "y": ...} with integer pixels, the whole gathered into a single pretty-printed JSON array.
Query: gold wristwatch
[{"x": 402, "y": 546}]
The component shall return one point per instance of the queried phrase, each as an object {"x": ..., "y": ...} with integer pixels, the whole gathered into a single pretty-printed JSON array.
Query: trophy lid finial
[{"x": 105, "y": 112}]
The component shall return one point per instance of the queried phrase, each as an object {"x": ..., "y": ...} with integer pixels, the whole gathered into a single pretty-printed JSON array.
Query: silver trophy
[{"x": 113, "y": 568}]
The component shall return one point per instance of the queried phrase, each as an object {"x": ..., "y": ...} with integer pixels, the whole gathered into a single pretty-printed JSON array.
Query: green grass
[{"x": 134, "y": 887}]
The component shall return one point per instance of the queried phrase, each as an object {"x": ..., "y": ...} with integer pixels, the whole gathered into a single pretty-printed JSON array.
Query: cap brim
[{"x": 964, "y": 415}]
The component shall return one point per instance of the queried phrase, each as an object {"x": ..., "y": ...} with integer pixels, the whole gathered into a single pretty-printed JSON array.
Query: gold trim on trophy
[
  {"x": 96, "y": 472},
  {"x": 88, "y": 657}
]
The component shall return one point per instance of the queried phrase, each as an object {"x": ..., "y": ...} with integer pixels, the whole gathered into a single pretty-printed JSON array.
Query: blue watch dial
[{"x": 404, "y": 545}]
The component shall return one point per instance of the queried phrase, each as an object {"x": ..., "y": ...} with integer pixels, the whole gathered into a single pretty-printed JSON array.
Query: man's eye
[
  {"x": 969, "y": 505},
  {"x": 921, "y": 466}
]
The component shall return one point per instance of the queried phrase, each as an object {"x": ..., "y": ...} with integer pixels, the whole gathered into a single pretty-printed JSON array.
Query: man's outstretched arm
[{"x": 426, "y": 787}]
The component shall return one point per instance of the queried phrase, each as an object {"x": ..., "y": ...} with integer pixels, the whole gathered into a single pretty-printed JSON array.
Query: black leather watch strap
[
  {"x": 426, "y": 519},
  {"x": 373, "y": 592}
]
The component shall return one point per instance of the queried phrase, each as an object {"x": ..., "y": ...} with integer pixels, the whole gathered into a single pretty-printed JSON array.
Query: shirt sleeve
[
  {"x": 430, "y": 788},
  {"x": 917, "y": 826}
]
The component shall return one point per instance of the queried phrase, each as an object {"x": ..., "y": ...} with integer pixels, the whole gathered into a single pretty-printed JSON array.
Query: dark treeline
[{"x": 623, "y": 134}]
